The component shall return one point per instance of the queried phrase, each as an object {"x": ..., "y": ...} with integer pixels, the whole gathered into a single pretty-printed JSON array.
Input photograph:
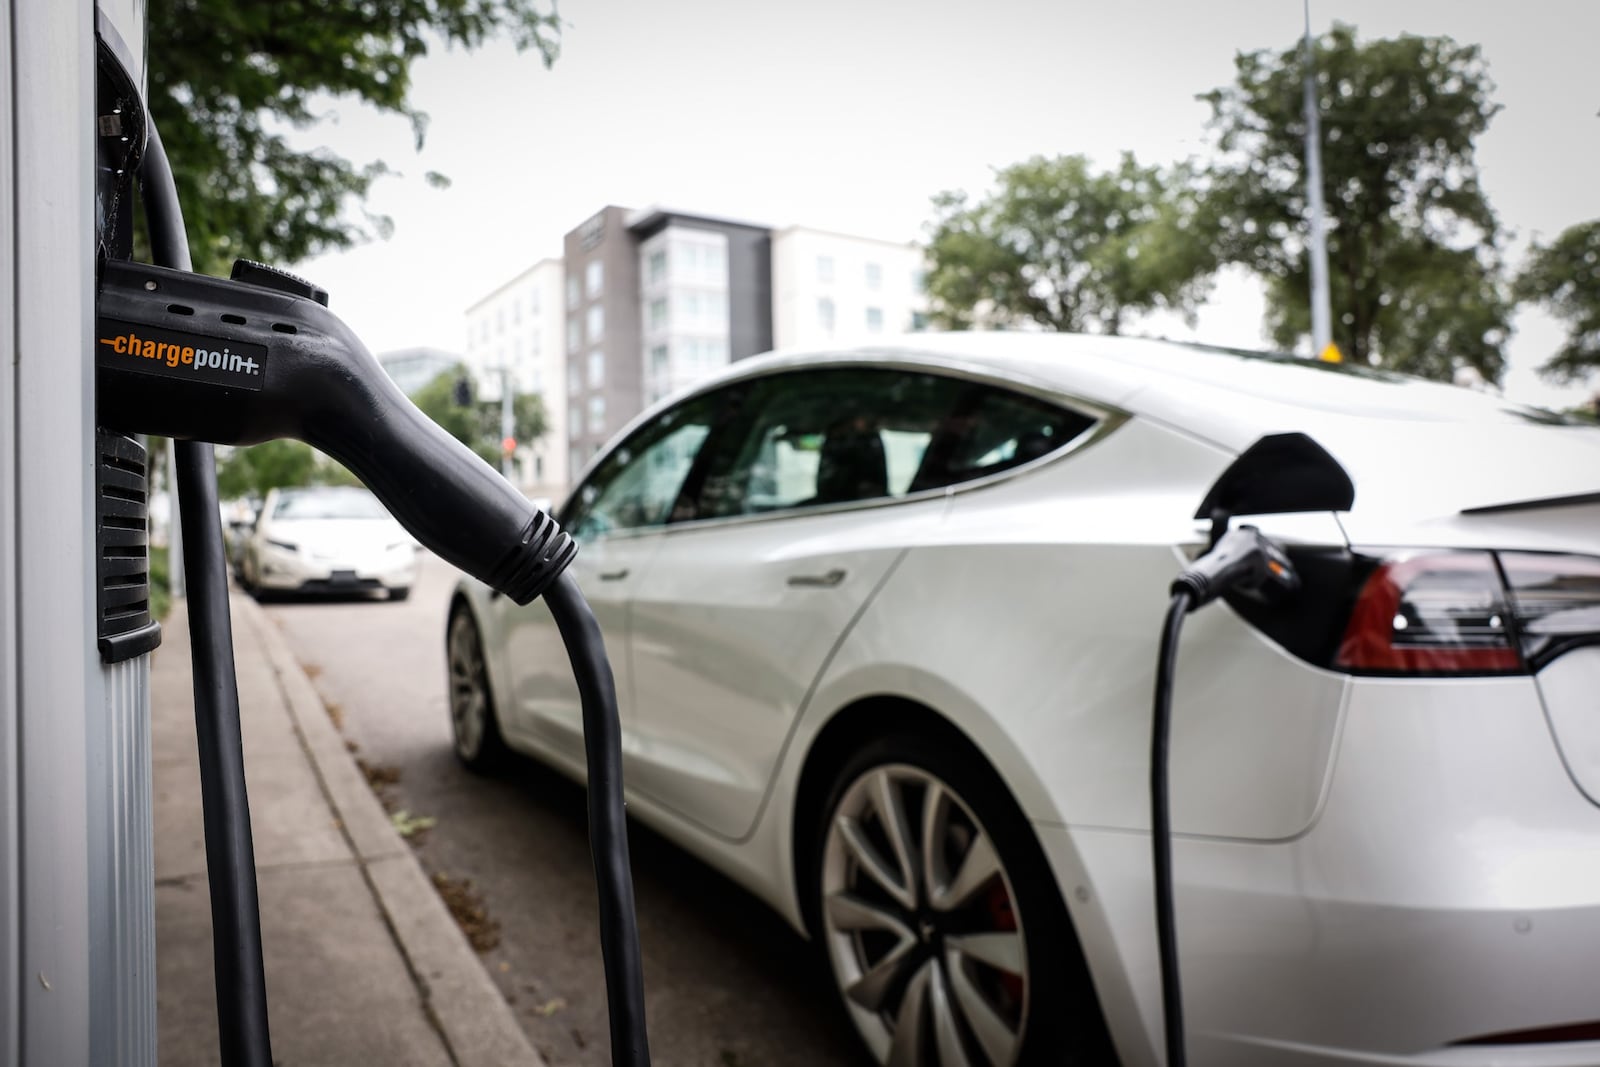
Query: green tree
[
  {"x": 1060, "y": 245},
  {"x": 252, "y": 471},
  {"x": 1565, "y": 278},
  {"x": 1414, "y": 263},
  {"x": 229, "y": 78},
  {"x": 477, "y": 423}
]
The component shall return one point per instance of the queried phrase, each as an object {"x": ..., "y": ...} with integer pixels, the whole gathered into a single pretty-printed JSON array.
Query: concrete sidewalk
[{"x": 364, "y": 963}]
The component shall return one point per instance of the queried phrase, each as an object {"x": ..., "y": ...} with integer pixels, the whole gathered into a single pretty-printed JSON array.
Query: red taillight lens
[
  {"x": 1431, "y": 613},
  {"x": 1556, "y": 600}
]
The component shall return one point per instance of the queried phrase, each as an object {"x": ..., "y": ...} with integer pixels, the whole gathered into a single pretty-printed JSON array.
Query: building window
[
  {"x": 714, "y": 265},
  {"x": 597, "y": 369},
  {"x": 597, "y": 414},
  {"x": 574, "y": 341},
  {"x": 825, "y": 314},
  {"x": 874, "y": 276},
  {"x": 594, "y": 277},
  {"x": 516, "y": 313},
  {"x": 574, "y": 379},
  {"x": 660, "y": 358},
  {"x": 824, "y": 268},
  {"x": 919, "y": 280},
  {"x": 919, "y": 320},
  {"x": 500, "y": 320},
  {"x": 658, "y": 266},
  {"x": 597, "y": 322},
  {"x": 574, "y": 418},
  {"x": 533, "y": 303},
  {"x": 658, "y": 313},
  {"x": 574, "y": 298},
  {"x": 875, "y": 320},
  {"x": 516, "y": 351}
]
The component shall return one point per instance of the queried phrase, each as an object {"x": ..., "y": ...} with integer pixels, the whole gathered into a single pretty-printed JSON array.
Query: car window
[
  {"x": 993, "y": 430},
  {"x": 840, "y": 435},
  {"x": 637, "y": 484},
  {"x": 820, "y": 437}
]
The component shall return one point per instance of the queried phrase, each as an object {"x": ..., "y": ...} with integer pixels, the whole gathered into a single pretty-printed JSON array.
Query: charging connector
[{"x": 1242, "y": 561}]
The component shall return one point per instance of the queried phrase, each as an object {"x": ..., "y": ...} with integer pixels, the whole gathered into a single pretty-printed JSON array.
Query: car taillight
[
  {"x": 1556, "y": 600},
  {"x": 1431, "y": 613}
]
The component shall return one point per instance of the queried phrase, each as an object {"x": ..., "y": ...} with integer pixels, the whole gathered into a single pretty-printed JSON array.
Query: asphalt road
[{"x": 728, "y": 983}]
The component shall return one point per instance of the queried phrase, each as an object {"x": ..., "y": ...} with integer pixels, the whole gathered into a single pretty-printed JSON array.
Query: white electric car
[
  {"x": 884, "y": 626},
  {"x": 327, "y": 539}
]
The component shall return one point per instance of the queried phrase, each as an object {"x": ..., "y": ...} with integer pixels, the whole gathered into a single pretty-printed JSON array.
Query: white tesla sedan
[
  {"x": 884, "y": 625},
  {"x": 327, "y": 539}
]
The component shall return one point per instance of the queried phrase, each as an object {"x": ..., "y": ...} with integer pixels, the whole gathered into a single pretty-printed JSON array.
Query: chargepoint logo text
[{"x": 169, "y": 353}]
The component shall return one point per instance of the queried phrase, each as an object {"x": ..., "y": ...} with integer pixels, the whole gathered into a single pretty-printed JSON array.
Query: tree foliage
[
  {"x": 1565, "y": 278},
  {"x": 228, "y": 79},
  {"x": 251, "y": 472},
  {"x": 1059, "y": 245},
  {"x": 1414, "y": 262},
  {"x": 477, "y": 424}
]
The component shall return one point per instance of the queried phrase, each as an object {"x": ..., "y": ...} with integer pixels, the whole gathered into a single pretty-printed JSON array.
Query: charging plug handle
[
  {"x": 1243, "y": 560},
  {"x": 238, "y": 362}
]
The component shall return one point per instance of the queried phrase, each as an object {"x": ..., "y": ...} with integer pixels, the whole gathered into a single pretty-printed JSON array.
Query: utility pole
[{"x": 1322, "y": 345}]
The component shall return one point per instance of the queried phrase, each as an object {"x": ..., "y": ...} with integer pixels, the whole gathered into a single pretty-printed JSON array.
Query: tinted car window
[
  {"x": 810, "y": 438},
  {"x": 993, "y": 430},
  {"x": 638, "y": 483}
]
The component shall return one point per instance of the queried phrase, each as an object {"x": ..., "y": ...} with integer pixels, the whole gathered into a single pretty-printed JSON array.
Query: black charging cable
[
  {"x": 230, "y": 852},
  {"x": 1240, "y": 560},
  {"x": 322, "y": 386},
  {"x": 1161, "y": 829},
  {"x": 608, "y": 828}
]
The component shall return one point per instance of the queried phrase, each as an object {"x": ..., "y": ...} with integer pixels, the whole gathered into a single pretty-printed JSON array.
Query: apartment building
[
  {"x": 645, "y": 303},
  {"x": 656, "y": 300},
  {"x": 517, "y": 331},
  {"x": 837, "y": 289},
  {"x": 413, "y": 368}
]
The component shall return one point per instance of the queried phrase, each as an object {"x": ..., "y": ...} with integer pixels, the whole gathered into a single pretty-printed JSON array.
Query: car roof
[{"x": 1229, "y": 396}]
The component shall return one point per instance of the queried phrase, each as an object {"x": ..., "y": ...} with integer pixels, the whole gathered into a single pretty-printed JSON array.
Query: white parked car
[
  {"x": 884, "y": 627},
  {"x": 327, "y": 539}
]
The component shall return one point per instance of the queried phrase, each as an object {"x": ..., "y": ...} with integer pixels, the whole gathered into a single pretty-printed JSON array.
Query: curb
[{"x": 465, "y": 1006}]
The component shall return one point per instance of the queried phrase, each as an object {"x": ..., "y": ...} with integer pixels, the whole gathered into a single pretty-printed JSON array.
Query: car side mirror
[{"x": 1283, "y": 472}]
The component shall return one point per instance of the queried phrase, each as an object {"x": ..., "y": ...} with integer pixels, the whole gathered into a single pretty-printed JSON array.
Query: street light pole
[{"x": 1321, "y": 315}]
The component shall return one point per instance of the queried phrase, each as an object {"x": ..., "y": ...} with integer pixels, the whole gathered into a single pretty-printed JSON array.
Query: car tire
[
  {"x": 474, "y": 724},
  {"x": 959, "y": 953},
  {"x": 401, "y": 593}
]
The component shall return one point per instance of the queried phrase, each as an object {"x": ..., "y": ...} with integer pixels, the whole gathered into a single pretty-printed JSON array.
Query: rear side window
[{"x": 994, "y": 430}]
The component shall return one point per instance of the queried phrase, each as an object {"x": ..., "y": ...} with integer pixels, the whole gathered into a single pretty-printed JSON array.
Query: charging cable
[
  {"x": 1243, "y": 561},
  {"x": 259, "y": 357}
]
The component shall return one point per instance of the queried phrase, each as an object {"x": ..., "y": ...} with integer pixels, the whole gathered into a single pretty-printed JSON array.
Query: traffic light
[
  {"x": 508, "y": 446},
  {"x": 463, "y": 393}
]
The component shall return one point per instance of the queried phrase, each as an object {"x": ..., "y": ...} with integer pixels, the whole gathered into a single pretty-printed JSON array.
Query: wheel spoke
[
  {"x": 872, "y": 987},
  {"x": 946, "y": 1034},
  {"x": 906, "y": 1051},
  {"x": 890, "y": 802},
  {"x": 999, "y": 1041},
  {"x": 935, "y": 821},
  {"x": 872, "y": 861},
  {"x": 978, "y": 866},
  {"x": 1001, "y": 950},
  {"x": 849, "y": 912}
]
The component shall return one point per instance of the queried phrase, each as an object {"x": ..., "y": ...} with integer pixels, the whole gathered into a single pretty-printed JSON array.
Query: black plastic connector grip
[{"x": 207, "y": 359}]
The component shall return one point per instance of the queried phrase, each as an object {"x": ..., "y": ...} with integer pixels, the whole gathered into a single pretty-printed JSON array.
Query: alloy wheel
[
  {"x": 921, "y": 924},
  {"x": 469, "y": 689}
]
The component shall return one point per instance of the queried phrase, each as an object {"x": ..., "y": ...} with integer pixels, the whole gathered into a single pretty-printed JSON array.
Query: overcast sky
[{"x": 850, "y": 114}]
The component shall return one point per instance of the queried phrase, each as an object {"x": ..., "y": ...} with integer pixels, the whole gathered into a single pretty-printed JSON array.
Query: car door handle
[
  {"x": 613, "y": 576},
  {"x": 817, "y": 581}
]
